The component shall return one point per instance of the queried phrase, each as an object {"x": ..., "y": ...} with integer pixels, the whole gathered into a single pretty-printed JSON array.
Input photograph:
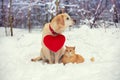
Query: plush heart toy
[{"x": 54, "y": 43}]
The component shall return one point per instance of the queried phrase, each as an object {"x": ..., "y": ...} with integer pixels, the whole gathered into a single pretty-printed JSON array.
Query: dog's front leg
[
  {"x": 47, "y": 55},
  {"x": 56, "y": 58},
  {"x": 61, "y": 53},
  {"x": 58, "y": 55}
]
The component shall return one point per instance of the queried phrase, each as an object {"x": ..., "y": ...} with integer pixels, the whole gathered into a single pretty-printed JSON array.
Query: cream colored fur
[{"x": 58, "y": 24}]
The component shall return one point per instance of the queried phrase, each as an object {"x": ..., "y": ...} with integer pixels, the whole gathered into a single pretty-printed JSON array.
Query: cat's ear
[
  {"x": 66, "y": 46},
  {"x": 73, "y": 48}
]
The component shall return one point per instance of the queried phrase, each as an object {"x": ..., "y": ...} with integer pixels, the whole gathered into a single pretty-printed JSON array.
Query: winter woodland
[
  {"x": 95, "y": 35},
  {"x": 35, "y": 13}
]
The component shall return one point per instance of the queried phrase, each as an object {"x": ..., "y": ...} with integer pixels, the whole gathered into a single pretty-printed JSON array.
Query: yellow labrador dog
[{"x": 55, "y": 27}]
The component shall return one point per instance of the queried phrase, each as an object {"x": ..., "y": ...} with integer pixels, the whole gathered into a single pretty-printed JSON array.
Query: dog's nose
[{"x": 74, "y": 21}]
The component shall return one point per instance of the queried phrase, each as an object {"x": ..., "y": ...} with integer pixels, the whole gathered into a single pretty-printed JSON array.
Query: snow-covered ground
[{"x": 17, "y": 51}]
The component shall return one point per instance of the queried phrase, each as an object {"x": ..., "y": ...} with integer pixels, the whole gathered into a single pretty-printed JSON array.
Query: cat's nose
[{"x": 70, "y": 53}]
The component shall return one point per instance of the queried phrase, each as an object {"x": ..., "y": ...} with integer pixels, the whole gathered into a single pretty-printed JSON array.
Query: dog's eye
[{"x": 67, "y": 18}]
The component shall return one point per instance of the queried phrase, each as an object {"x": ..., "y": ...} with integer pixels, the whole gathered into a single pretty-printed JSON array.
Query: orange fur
[{"x": 71, "y": 57}]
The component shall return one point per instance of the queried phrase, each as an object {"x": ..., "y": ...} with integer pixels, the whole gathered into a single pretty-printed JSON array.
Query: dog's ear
[{"x": 60, "y": 20}]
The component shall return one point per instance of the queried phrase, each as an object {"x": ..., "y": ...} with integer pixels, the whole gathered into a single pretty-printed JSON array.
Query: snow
[
  {"x": 17, "y": 51},
  {"x": 112, "y": 8},
  {"x": 52, "y": 8}
]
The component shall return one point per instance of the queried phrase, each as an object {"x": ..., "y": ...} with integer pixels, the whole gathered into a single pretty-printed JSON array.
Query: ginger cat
[{"x": 71, "y": 57}]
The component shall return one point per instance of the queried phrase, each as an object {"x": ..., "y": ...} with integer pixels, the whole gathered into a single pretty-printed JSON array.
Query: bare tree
[
  {"x": 115, "y": 13},
  {"x": 10, "y": 18},
  {"x": 3, "y": 17},
  {"x": 29, "y": 22},
  {"x": 98, "y": 12},
  {"x": 57, "y": 4}
]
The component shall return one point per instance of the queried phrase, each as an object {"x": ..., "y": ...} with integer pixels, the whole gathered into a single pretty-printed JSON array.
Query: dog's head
[{"x": 62, "y": 21}]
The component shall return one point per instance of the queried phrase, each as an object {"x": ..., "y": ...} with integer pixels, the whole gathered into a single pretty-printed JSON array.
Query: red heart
[{"x": 54, "y": 43}]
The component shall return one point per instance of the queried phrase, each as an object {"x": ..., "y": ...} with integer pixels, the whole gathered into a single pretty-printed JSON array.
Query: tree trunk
[
  {"x": 29, "y": 23},
  {"x": 57, "y": 4},
  {"x": 10, "y": 18},
  {"x": 2, "y": 6},
  {"x": 115, "y": 13},
  {"x": 3, "y": 18}
]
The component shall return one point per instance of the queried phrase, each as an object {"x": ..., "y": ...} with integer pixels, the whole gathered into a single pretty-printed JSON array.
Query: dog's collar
[{"x": 53, "y": 32}]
